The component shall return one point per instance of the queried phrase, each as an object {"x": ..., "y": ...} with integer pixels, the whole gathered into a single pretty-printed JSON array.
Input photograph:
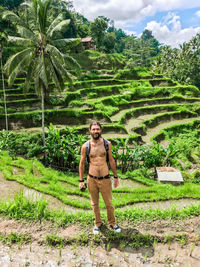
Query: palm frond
[
  {"x": 66, "y": 43},
  {"x": 37, "y": 85},
  {"x": 66, "y": 60},
  {"x": 18, "y": 69},
  {"x": 16, "y": 59},
  {"x": 56, "y": 78},
  {"x": 54, "y": 51},
  {"x": 32, "y": 12},
  {"x": 26, "y": 33},
  {"x": 9, "y": 15},
  {"x": 43, "y": 12},
  {"x": 57, "y": 20},
  {"x": 31, "y": 73},
  {"x": 71, "y": 63},
  {"x": 59, "y": 28},
  {"x": 61, "y": 69},
  {"x": 20, "y": 41}
]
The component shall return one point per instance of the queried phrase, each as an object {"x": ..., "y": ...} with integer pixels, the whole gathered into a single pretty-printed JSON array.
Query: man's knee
[
  {"x": 95, "y": 205},
  {"x": 109, "y": 205}
]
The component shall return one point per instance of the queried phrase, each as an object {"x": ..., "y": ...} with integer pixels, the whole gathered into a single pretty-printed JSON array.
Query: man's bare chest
[{"x": 97, "y": 151}]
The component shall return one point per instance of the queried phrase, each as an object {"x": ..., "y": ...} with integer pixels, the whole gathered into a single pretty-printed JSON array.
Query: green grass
[
  {"x": 175, "y": 129},
  {"x": 15, "y": 238},
  {"x": 22, "y": 208},
  {"x": 92, "y": 59},
  {"x": 51, "y": 182}
]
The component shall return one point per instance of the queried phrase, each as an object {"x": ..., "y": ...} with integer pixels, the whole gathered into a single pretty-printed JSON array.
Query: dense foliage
[
  {"x": 24, "y": 144},
  {"x": 181, "y": 64},
  {"x": 147, "y": 156},
  {"x": 63, "y": 150}
]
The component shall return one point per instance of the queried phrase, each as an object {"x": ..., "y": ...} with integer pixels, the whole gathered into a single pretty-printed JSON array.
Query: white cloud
[
  {"x": 128, "y": 32},
  {"x": 170, "y": 32},
  {"x": 198, "y": 13},
  {"x": 129, "y": 11}
]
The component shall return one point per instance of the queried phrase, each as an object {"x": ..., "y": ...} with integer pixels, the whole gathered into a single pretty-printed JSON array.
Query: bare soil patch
[{"x": 37, "y": 253}]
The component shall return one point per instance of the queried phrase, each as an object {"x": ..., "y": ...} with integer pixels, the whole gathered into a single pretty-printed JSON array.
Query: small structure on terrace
[
  {"x": 169, "y": 175},
  {"x": 88, "y": 43}
]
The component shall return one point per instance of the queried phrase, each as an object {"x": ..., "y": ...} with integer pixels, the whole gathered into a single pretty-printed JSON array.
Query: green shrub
[
  {"x": 133, "y": 73},
  {"x": 63, "y": 148},
  {"x": 129, "y": 159},
  {"x": 26, "y": 144}
]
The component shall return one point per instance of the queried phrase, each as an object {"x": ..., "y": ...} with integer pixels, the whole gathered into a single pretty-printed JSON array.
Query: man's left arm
[{"x": 113, "y": 165}]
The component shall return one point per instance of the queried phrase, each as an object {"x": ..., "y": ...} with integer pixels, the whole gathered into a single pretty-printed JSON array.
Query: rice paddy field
[{"x": 42, "y": 210}]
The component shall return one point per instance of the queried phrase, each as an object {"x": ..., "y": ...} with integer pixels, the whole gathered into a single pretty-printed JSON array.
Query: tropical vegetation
[
  {"x": 145, "y": 94},
  {"x": 41, "y": 58}
]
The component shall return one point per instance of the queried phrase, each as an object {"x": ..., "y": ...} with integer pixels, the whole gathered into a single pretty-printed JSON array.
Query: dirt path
[
  {"x": 8, "y": 189},
  {"x": 178, "y": 203},
  {"x": 152, "y": 131},
  {"x": 136, "y": 122},
  {"x": 118, "y": 115},
  {"x": 114, "y": 135}
]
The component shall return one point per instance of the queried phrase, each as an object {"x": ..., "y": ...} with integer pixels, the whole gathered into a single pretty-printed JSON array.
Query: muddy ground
[{"x": 37, "y": 253}]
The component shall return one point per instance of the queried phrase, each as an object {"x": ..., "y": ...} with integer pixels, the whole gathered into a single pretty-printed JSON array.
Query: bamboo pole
[{"x": 4, "y": 92}]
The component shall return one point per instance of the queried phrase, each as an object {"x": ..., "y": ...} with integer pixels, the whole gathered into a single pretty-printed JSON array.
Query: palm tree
[{"x": 43, "y": 47}]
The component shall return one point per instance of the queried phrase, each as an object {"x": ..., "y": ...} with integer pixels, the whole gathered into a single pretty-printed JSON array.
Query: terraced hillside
[{"x": 141, "y": 107}]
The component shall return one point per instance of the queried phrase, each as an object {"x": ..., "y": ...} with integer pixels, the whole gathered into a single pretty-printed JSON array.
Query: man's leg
[
  {"x": 94, "y": 196},
  {"x": 105, "y": 188}
]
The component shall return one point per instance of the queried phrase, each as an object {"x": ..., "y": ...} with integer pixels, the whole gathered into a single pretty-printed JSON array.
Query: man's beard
[{"x": 96, "y": 136}]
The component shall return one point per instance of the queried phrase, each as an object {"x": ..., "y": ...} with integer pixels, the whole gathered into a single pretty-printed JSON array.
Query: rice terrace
[{"x": 54, "y": 81}]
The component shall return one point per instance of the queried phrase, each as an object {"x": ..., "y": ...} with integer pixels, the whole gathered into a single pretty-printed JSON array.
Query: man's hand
[
  {"x": 116, "y": 182},
  {"x": 81, "y": 184}
]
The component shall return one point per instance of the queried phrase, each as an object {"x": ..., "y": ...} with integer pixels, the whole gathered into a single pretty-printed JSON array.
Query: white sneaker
[
  {"x": 96, "y": 230},
  {"x": 116, "y": 228}
]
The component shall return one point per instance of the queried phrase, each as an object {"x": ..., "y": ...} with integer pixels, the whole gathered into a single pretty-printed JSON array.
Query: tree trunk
[{"x": 43, "y": 131}]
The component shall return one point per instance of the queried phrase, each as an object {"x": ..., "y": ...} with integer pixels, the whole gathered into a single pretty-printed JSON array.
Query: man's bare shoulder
[
  {"x": 109, "y": 142},
  {"x": 84, "y": 145}
]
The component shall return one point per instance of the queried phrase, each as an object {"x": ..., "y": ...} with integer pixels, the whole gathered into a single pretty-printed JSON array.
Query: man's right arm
[{"x": 82, "y": 164}]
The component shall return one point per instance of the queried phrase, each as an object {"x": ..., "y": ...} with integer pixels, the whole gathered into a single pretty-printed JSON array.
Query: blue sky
[
  {"x": 188, "y": 18},
  {"x": 172, "y": 22}
]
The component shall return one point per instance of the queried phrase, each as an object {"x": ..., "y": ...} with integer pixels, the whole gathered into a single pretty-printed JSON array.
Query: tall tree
[
  {"x": 142, "y": 50},
  {"x": 10, "y": 4},
  {"x": 98, "y": 28},
  {"x": 41, "y": 42},
  {"x": 109, "y": 42},
  {"x": 181, "y": 64}
]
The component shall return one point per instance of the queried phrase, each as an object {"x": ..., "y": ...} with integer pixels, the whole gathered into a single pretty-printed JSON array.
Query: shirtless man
[{"x": 98, "y": 178}]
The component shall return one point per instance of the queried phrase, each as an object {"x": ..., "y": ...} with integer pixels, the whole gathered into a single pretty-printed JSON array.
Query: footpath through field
[{"x": 152, "y": 131}]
